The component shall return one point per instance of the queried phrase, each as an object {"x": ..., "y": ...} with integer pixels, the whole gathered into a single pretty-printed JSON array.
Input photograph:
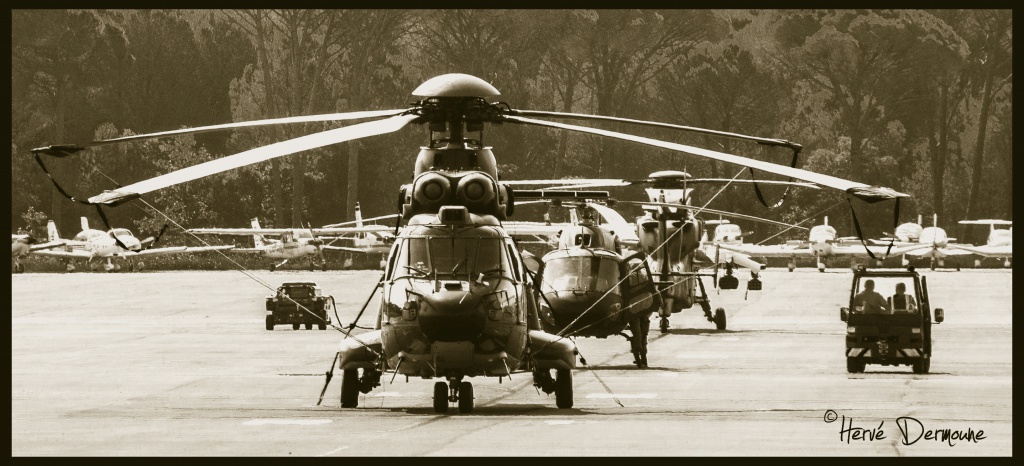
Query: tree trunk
[
  {"x": 973, "y": 206},
  {"x": 352, "y": 196},
  {"x": 941, "y": 153}
]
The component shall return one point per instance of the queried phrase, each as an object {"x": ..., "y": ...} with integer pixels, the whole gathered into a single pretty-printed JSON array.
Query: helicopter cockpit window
[
  {"x": 448, "y": 257},
  {"x": 472, "y": 256},
  {"x": 581, "y": 274}
]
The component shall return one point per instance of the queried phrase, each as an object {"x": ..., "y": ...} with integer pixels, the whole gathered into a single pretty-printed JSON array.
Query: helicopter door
[{"x": 639, "y": 287}]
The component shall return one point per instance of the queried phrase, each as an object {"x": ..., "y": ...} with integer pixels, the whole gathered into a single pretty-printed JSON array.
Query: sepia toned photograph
[{"x": 525, "y": 233}]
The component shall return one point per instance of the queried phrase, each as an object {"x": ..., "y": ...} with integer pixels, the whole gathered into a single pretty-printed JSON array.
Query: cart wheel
[
  {"x": 295, "y": 326},
  {"x": 440, "y": 397},
  {"x": 720, "y": 319},
  {"x": 309, "y": 326},
  {"x": 465, "y": 397},
  {"x": 563, "y": 388},
  {"x": 270, "y": 322},
  {"x": 921, "y": 366},
  {"x": 853, "y": 365},
  {"x": 350, "y": 388}
]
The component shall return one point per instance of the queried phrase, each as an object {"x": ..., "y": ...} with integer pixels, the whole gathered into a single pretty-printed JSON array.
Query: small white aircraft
[
  {"x": 117, "y": 243},
  {"x": 729, "y": 233},
  {"x": 932, "y": 242},
  {"x": 23, "y": 245},
  {"x": 999, "y": 243},
  {"x": 370, "y": 242},
  {"x": 294, "y": 243},
  {"x": 822, "y": 242}
]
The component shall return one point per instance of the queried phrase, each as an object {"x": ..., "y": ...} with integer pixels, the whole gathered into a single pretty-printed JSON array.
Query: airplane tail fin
[
  {"x": 825, "y": 222},
  {"x": 257, "y": 239},
  {"x": 51, "y": 231},
  {"x": 85, "y": 224},
  {"x": 359, "y": 216}
]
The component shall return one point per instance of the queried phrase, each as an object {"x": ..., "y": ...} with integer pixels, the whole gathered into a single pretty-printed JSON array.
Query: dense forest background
[{"x": 916, "y": 100}]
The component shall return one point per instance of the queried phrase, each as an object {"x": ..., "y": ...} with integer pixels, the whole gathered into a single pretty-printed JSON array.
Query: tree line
[{"x": 916, "y": 100}]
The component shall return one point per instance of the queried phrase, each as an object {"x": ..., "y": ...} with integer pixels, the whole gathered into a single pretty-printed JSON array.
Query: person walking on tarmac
[{"x": 870, "y": 301}]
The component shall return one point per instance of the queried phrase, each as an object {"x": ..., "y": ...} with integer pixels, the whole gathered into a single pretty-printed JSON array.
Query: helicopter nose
[{"x": 451, "y": 316}]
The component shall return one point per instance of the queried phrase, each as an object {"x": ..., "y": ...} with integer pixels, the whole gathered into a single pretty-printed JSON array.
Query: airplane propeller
[{"x": 151, "y": 241}]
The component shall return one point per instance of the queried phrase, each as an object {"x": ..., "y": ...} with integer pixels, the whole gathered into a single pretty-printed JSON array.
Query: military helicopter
[
  {"x": 455, "y": 300},
  {"x": 590, "y": 285},
  {"x": 671, "y": 233}
]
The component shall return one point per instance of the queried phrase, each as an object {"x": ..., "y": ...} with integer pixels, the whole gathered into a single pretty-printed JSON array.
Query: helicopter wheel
[
  {"x": 272, "y": 267},
  {"x": 270, "y": 322},
  {"x": 440, "y": 397},
  {"x": 664, "y": 325},
  {"x": 465, "y": 397},
  {"x": 309, "y": 326},
  {"x": 720, "y": 318},
  {"x": 563, "y": 389},
  {"x": 19, "y": 268},
  {"x": 295, "y": 326},
  {"x": 350, "y": 388}
]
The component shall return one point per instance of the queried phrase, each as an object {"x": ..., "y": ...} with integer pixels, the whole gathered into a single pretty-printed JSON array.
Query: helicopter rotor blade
[
  {"x": 713, "y": 211},
  {"x": 862, "y": 191},
  {"x": 657, "y": 124},
  {"x": 63, "y": 150},
  {"x": 249, "y": 157}
]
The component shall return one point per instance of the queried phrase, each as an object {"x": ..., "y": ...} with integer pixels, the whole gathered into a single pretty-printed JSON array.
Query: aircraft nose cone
[{"x": 451, "y": 316}]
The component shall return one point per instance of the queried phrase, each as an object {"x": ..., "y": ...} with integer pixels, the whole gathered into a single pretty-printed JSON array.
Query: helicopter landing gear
[
  {"x": 560, "y": 385},
  {"x": 275, "y": 266},
  {"x": 791, "y": 265},
  {"x": 455, "y": 390},
  {"x": 719, "y": 319},
  {"x": 19, "y": 267},
  {"x": 352, "y": 384}
]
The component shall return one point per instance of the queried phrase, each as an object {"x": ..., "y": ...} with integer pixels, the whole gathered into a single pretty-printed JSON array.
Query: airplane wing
[
  {"x": 351, "y": 249},
  {"x": 180, "y": 250},
  {"x": 341, "y": 231},
  {"x": 859, "y": 251},
  {"x": 756, "y": 250},
  {"x": 74, "y": 254},
  {"x": 986, "y": 251},
  {"x": 248, "y": 250},
  {"x": 49, "y": 245},
  {"x": 282, "y": 231}
]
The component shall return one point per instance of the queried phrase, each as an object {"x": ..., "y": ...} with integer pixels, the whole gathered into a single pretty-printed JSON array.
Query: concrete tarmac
[{"x": 179, "y": 364}]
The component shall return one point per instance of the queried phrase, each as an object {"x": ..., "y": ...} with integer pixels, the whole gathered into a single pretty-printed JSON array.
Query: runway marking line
[
  {"x": 287, "y": 422},
  {"x": 334, "y": 451},
  {"x": 621, "y": 395}
]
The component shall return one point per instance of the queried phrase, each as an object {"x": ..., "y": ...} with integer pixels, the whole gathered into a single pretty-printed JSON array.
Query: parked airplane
[
  {"x": 999, "y": 243},
  {"x": 370, "y": 242},
  {"x": 23, "y": 245},
  {"x": 822, "y": 242},
  {"x": 933, "y": 243},
  {"x": 294, "y": 243},
  {"x": 117, "y": 243},
  {"x": 730, "y": 233}
]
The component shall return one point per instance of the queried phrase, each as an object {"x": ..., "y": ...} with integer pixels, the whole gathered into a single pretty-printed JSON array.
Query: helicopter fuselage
[{"x": 454, "y": 300}]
